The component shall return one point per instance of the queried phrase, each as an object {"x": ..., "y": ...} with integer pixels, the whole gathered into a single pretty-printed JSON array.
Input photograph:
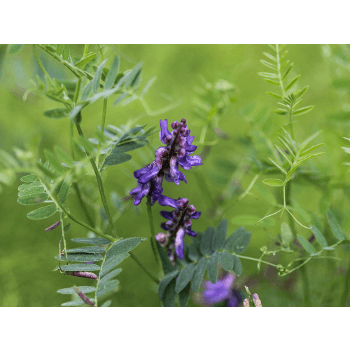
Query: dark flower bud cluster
[
  {"x": 177, "y": 151},
  {"x": 178, "y": 225}
]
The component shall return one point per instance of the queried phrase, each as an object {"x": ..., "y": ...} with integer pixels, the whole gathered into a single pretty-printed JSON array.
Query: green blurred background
[{"x": 27, "y": 251}]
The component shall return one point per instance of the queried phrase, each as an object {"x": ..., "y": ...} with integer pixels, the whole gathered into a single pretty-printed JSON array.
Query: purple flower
[
  {"x": 178, "y": 224},
  {"x": 177, "y": 151},
  {"x": 222, "y": 290}
]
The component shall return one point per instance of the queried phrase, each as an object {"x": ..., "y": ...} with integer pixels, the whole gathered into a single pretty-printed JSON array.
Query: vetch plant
[{"x": 193, "y": 246}]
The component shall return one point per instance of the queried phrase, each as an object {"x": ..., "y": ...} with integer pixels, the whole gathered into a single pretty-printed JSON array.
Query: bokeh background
[{"x": 26, "y": 250}]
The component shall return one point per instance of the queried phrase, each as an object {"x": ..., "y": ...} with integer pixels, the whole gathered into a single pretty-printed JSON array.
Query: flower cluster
[
  {"x": 222, "y": 291},
  {"x": 177, "y": 151},
  {"x": 179, "y": 223}
]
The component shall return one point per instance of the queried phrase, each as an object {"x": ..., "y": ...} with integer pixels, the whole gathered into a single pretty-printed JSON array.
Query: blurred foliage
[{"x": 216, "y": 87}]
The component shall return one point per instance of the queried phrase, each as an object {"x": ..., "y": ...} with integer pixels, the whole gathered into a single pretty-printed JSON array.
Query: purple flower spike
[
  {"x": 177, "y": 151},
  {"x": 179, "y": 223}
]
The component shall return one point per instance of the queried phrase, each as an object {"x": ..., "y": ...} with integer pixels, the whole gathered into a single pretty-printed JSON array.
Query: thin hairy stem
[
  {"x": 63, "y": 237},
  {"x": 82, "y": 204},
  {"x": 258, "y": 260},
  {"x": 144, "y": 268},
  {"x": 37, "y": 58},
  {"x": 100, "y": 187}
]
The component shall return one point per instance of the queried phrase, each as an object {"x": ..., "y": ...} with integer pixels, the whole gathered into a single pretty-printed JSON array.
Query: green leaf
[
  {"x": 31, "y": 199},
  {"x": 165, "y": 282},
  {"x": 199, "y": 274},
  {"x": 226, "y": 261},
  {"x": 206, "y": 242},
  {"x": 286, "y": 233},
  {"x": 80, "y": 267},
  {"x": 111, "y": 263},
  {"x": 75, "y": 115},
  {"x": 86, "y": 144},
  {"x": 112, "y": 74},
  {"x": 87, "y": 91},
  {"x": 54, "y": 162},
  {"x": 94, "y": 241},
  {"x": 272, "y": 82},
  {"x": 107, "y": 287},
  {"x": 184, "y": 295},
  {"x": 42, "y": 213},
  {"x": 120, "y": 98},
  {"x": 28, "y": 186},
  {"x": 301, "y": 92},
  {"x": 306, "y": 245},
  {"x": 76, "y": 302},
  {"x": 14, "y": 48},
  {"x": 63, "y": 192},
  {"x": 166, "y": 263},
  {"x": 237, "y": 266},
  {"x": 132, "y": 77},
  {"x": 83, "y": 289},
  {"x": 292, "y": 83},
  {"x": 272, "y": 94},
  {"x": 278, "y": 166},
  {"x": 32, "y": 191},
  {"x": 303, "y": 110},
  {"x": 238, "y": 241},
  {"x": 220, "y": 235},
  {"x": 63, "y": 156},
  {"x": 194, "y": 252},
  {"x": 319, "y": 237},
  {"x": 80, "y": 257},
  {"x": 88, "y": 250},
  {"x": 85, "y": 60},
  {"x": 97, "y": 77},
  {"x": 123, "y": 246},
  {"x": 129, "y": 146},
  {"x": 273, "y": 182},
  {"x": 115, "y": 159},
  {"x": 184, "y": 277},
  {"x": 169, "y": 295},
  {"x": 212, "y": 267},
  {"x": 110, "y": 275},
  {"x": 287, "y": 71},
  {"x": 29, "y": 178},
  {"x": 106, "y": 303},
  {"x": 336, "y": 229},
  {"x": 56, "y": 113}
]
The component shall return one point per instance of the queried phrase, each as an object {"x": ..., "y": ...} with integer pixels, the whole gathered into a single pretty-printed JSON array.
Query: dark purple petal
[
  {"x": 220, "y": 291},
  {"x": 149, "y": 175},
  {"x": 167, "y": 214},
  {"x": 140, "y": 172},
  {"x": 191, "y": 233},
  {"x": 53, "y": 226},
  {"x": 234, "y": 300},
  {"x": 196, "y": 215},
  {"x": 164, "y": 201},
  {"x": 182, "y": 177}
]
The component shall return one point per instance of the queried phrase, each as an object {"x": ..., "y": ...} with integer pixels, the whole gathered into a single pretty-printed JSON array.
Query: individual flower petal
[
  {"x": 152, "y": 172},
  {"x": 179, "y": 243},
  {"x": 166, "y": 201},
  {"x": 167, "y": 214},
  {"x": 164, "y": 132},
  {"x": 196, "y": 215}
]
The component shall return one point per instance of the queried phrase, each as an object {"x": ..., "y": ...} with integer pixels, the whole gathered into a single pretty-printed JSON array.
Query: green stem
[
  {"x": 86, "y": 48},
  {"x": 100, "y": 187},
  {"x": 104, "y": 113},
  {"x": 258, "y": 260},
  {"x": 39, "y": 61},
  {"x": 346, "y": 287},
  {"x": 149, "y": 273},
  {"x": 151, "y": 225},
  {"x": 291, "y": 122},
  {"x": 303, "y": 272},
  {"x": 82, "y": 204}
]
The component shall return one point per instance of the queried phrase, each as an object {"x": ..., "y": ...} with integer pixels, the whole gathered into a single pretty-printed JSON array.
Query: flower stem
[
  {"x": 151, "y": 225},
  {"x": 100, "y": 187},
  {"x": 104, "y": 112}
]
